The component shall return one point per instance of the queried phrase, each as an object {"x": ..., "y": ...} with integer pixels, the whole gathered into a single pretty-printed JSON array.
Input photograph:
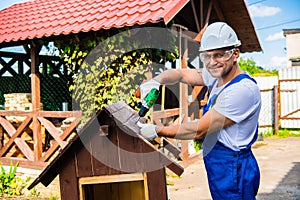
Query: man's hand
[
  {"x": 146, "y": 87},
  {"x": 148, "y": 131}
]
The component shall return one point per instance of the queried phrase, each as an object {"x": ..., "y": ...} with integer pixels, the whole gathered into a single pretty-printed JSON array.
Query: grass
[{"x": 282, "y": 133}]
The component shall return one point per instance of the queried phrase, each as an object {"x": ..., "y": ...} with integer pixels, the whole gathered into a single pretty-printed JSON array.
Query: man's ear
[{"x": 236, "y": 54}]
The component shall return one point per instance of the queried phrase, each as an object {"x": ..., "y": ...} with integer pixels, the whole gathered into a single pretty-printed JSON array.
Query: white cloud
[
  {"x": 260, "y": 10},
  {"x": 277, "y": 62},
  {"x": 276, "y": 36}
]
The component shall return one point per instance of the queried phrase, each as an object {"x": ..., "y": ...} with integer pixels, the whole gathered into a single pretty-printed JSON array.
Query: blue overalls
[{"x": 232, "y": 175}]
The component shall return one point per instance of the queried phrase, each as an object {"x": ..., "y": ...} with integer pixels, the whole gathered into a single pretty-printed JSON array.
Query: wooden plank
[
  {"x": 7, "y": 67},
  {"x": 7, "y": 126},
  {"x": 218, "y": 11},
  {"x": 68, "y": 180},
  {"x": 112, "y": 178},
  {"x": 146, "y": 189},
  {"x": 99, "y": 155},
  {"x": 25, "y": 163},
  {"x": 35, "y": 80},
  {"x": 165, "y": 113},
  {"x": 171, "y": 147},
  {"x": 22, "y": 145},
  {"x": 59, "y": 114},
  {"x": 83, "y": 157},
  {"x": 276, "y": 112},
  {"x": 37, "y": 138},
  {"x": 157, "y": 160},
  {"x": 195, "y": 15},
  {"x": 129, "y": 154},
  {"x": 52, "y": 130},
  {"x": 183, "y": 102},
  {"x": 15, "y": 113},
  {"x": 15, "y": 135},
  {"x": 157, "y": 187}
]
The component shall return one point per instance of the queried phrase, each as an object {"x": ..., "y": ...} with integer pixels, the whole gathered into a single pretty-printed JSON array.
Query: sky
[{"x": 269, "y": 17}]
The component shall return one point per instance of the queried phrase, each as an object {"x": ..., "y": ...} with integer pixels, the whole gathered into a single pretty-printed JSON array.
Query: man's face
[{"x": 219, "y": 62}]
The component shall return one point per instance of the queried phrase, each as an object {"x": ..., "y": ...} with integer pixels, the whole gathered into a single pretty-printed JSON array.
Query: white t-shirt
[{"x": 240, "y": 102}]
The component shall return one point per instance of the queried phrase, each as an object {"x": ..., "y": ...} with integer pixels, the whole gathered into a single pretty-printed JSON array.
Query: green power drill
[{"x": 148, "y": 102}]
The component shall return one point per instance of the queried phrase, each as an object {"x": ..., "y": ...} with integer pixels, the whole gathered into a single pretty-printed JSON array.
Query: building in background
[{"x": 292, "y": 46}]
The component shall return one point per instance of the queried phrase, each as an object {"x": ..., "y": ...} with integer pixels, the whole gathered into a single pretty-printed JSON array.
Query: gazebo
[{"x": 33, "y": 23}]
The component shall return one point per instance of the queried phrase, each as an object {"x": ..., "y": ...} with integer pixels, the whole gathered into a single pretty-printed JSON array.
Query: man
[{"x": 230, "y": 122}]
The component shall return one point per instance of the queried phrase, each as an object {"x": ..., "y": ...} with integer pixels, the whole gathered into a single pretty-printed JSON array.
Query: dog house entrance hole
[{"x": 114, "y": 187}]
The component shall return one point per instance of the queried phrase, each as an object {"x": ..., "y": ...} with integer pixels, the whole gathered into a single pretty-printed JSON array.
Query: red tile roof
[{"x": 44, "y": 18}]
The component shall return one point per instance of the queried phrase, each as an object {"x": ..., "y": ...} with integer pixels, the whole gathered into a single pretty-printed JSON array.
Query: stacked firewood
[{"x": 18, "y": 101}]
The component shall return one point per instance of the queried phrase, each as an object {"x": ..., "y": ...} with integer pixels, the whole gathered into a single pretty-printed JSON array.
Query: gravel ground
[{"x": 279, "y": 162}]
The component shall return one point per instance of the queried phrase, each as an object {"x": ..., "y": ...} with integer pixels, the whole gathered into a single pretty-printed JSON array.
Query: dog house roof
[{"x": 115, "y": 116}]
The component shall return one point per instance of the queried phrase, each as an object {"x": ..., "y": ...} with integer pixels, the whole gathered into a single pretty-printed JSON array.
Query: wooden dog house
[{"x": 108, "y": 159}]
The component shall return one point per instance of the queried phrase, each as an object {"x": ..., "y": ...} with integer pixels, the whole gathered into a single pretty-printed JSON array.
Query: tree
[{"x": 254, "y": 70}]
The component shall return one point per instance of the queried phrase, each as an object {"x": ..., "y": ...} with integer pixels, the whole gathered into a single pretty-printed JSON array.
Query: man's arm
[
  {"x": 211, "y": 122},
  {"x": 188, "y": 76}
]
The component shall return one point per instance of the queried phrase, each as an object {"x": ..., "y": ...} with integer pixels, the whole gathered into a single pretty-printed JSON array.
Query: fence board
[{"x": 289, "y": 84}]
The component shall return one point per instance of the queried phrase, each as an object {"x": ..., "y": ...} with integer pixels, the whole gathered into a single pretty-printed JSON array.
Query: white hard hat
[{"x": 219, "y": 35}]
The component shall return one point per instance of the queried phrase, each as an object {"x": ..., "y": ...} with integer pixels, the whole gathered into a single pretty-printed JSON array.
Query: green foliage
[
  {"x": 109, "y": 68},
  {"x": 10, "y": 185},
  {"x": 34, "y": 193},
  {"x": 197, "y": 145},
  {"x": 251, "y": 67}
]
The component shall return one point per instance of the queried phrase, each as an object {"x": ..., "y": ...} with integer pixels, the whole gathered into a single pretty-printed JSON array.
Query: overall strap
[{"x": 212, "y": 99}]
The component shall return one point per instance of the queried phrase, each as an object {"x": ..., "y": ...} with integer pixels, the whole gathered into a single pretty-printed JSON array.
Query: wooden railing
[{"x": 27, "y": 140}]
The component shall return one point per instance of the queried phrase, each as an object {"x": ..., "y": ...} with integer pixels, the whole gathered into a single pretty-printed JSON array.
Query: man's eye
[
  {"x": 218, "y": 55},
  {"x": 206, "y": 56}
]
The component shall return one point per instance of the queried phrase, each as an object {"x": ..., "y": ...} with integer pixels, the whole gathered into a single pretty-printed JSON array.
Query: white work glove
[
  {"x": 148, "y": 131},
  {"x": 146, "y": 87}
]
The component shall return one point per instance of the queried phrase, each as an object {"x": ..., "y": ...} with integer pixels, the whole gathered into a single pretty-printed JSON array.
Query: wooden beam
[
  {"x": 171, "y": 147},
  {"x": 183, "y": 100},
  {"x": 63, "y": 136},
  {"x": 165, "y": 113},
  {"x": 111, "y": 178},
  {"x": 52, "y": 130},
  {"x": 13, "y": 113},
  {"x": 36, "y": 100},
  {"x": 14, "y": 135},
  {"x": 200, "y": 34},
  {"x": 35, "y": 80},
  {"x": 22, "y": 145},
  {"x": 218, "y": 10},
  {"x": 201, "y": 13},
  {"x": 276, "y": 106},
  {"x": 37, "y": 139},
  {"x": 195, "y": 15},
  {"x": 26, "y": 48},
  {"x": 58, "y": 114}
]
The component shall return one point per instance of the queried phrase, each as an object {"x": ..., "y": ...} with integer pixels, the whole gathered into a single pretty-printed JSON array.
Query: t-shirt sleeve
[{"x": 238, "y": 101}]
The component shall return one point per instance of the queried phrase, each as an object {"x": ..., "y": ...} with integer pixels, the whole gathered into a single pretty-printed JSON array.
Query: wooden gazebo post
[{"x": 36, "y": 99}]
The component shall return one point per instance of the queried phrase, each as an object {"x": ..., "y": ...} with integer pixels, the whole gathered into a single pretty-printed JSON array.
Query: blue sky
[{"x": 269, "y": 17}]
